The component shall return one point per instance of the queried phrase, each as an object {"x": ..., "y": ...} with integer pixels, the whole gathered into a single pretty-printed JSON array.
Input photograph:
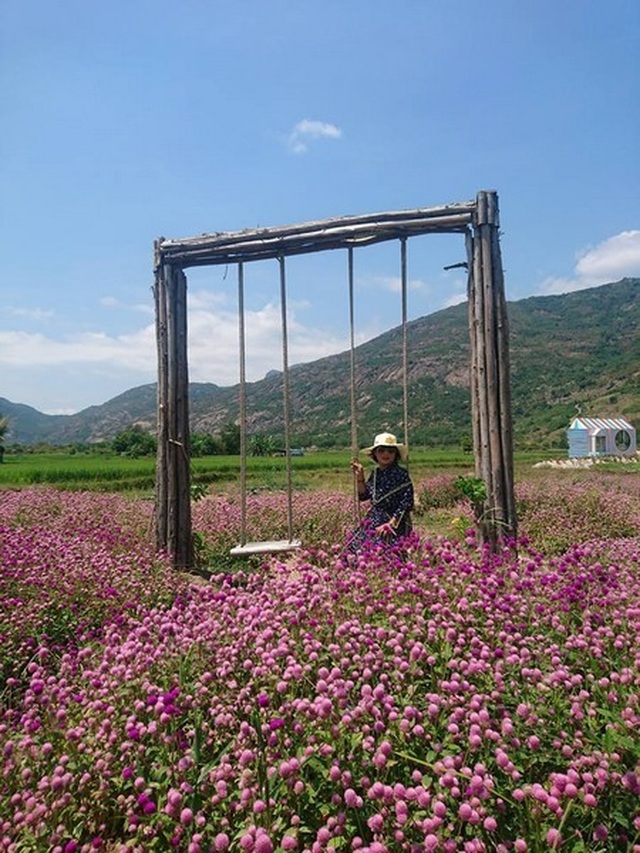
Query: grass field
[{"x": 115, "y": 473}]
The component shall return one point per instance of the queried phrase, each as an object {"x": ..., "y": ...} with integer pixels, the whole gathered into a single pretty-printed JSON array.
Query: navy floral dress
[{"x": 390, "y": 491}]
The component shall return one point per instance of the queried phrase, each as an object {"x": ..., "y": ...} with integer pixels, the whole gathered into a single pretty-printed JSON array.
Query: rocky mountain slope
[{"x": 577, "y": 352}]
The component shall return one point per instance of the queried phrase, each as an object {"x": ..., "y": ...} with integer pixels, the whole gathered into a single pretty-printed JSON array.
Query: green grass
[
  {"x": 72, "y": 471},
  {"x": 115, "y": 473}
]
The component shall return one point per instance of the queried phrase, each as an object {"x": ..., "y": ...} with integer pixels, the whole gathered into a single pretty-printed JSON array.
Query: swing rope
[
  {"x": 352, "y": 385},
  {"x": 405, "y": 364},
  {"x": 286, "y": 397},
  {"x": 405, "y": 360},
  {"x": 248, "y": 548},
  {"x": 243, "y": 407}
]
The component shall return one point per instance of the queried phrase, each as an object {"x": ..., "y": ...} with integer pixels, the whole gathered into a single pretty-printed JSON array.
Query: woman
[{"x": 390, "y": 490}]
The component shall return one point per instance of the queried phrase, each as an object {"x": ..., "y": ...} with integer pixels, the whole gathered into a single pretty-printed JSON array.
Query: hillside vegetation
[{"x": 577, "y": 352}]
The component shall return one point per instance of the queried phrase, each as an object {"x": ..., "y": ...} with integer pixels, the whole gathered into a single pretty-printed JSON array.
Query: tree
[
  {"x": 4, "y": 426},
  {"x": 261, "y": 445},
  {"x": 134, "y": 442},
  {"x": 204, "y": 444},
  {"x": 230, "y": 439}
]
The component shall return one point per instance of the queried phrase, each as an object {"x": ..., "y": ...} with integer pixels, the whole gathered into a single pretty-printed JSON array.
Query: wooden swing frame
[{"x": 477, "y": 220}]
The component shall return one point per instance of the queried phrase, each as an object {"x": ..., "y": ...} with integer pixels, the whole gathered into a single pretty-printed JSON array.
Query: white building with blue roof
[{"x": 601, "y": 437}]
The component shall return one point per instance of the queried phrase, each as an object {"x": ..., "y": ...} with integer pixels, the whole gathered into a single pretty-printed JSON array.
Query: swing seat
[{"x": 276, "y": 546}]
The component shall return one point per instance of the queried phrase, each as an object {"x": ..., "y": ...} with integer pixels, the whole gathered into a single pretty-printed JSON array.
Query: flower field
[{"x": 435, "y": 698}]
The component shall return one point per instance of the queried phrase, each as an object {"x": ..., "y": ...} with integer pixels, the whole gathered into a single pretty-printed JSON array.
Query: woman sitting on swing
[{"x": 390, "y": 491}]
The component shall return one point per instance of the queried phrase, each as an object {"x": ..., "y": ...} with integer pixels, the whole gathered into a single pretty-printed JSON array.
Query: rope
[
  {"x": 242, "y": 392},
  {"x": 352, "y": 351},
  {"x": 286, "y": 396},
  {"x": 405, "y": 366}
]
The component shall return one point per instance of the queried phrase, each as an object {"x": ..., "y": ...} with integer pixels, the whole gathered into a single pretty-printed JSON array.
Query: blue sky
[{"x": 126, "y": 121}]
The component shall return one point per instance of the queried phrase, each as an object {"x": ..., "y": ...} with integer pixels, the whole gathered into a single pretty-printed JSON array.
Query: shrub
[{"x": 438, "y": 492}]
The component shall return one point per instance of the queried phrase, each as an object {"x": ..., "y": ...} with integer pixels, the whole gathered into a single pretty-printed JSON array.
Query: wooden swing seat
[{"x": 276, "y": 546}]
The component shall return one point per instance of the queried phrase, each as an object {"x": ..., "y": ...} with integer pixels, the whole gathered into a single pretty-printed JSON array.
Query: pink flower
[
  {"x": 375, "y": 822},
  {"x": 351, "y": 798},
  {"x": 554, "y": 839},
  {"x": 263, "y": 844},
  {"x": 600, "y": 833},
  {"x": 465, "y": 811}
]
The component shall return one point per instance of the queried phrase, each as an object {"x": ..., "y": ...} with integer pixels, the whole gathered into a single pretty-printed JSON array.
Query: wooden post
[
  {"x": 162, "y": 463},
  {"x": 490, "y": 383},
  {"x": 173, "y": 487},
  {"x": 504, "y": 383},
  {"x": 473, "y": 331}
]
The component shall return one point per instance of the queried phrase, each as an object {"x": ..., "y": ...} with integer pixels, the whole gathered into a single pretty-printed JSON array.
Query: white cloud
[
  {"x": 307, "y": 130},
  {"x": 615, "y": 258},
  {"x": 24, "y": 349},
  {"x": 113, "y": 302},
  {"x": 213, "y": 343},
  {"x": 456, "y": 298},
  {"x": 31, "y": 313}
]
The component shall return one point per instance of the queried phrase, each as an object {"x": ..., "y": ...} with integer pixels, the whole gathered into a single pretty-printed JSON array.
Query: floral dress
[{"x": 390, "y": 491}]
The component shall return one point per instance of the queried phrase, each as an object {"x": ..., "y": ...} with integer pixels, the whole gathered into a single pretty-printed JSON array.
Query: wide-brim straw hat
[{"x": 387, "y": 439}]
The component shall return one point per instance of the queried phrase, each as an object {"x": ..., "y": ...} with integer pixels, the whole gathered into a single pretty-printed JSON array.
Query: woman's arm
[{"x": 358, "y": 470}]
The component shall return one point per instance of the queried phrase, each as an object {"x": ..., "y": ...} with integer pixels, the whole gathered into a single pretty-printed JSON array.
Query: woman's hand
[
  {"x": 358, "y": 469},
  {"x": 385, "y": 530}
]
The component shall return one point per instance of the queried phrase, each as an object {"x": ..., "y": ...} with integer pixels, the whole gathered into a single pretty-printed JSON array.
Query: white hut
[{"x": 601, "y": 437}]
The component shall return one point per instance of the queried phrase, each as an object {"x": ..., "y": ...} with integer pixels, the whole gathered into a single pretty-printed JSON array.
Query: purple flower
[{"x": 186, "y": 816}]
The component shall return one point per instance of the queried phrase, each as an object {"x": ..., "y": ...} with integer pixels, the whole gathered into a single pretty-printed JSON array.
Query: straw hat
[{"x": 386, "y": 439}]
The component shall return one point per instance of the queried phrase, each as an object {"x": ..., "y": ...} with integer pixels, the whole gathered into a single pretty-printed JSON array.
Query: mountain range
[{"x": 575, "y": 353}]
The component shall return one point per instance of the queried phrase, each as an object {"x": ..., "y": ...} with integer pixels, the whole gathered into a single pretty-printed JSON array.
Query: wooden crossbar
[{"x": 275, "y": 546}]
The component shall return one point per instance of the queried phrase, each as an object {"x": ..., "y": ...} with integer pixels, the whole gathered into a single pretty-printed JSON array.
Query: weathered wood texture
[
  {"x": 488, "y": 331},
  {"x": 162, "y": 485},
  {"x": 340, "y": 233},
  {"x": 490, "y": 377},
  {"x": 173, "y": 488}
]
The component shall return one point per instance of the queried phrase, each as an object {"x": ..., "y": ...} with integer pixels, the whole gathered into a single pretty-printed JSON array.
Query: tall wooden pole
[
  {"x": 173, "y": 487},
  {"x": 160, "y": 297},
  {"x": 490, "y": 379}
]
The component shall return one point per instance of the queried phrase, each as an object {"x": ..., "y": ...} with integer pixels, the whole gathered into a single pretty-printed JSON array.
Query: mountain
[{"x": 576, "y": 352}]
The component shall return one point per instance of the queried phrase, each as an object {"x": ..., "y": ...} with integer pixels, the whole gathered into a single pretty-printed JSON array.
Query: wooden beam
[{"x": 343, "y": 232}]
